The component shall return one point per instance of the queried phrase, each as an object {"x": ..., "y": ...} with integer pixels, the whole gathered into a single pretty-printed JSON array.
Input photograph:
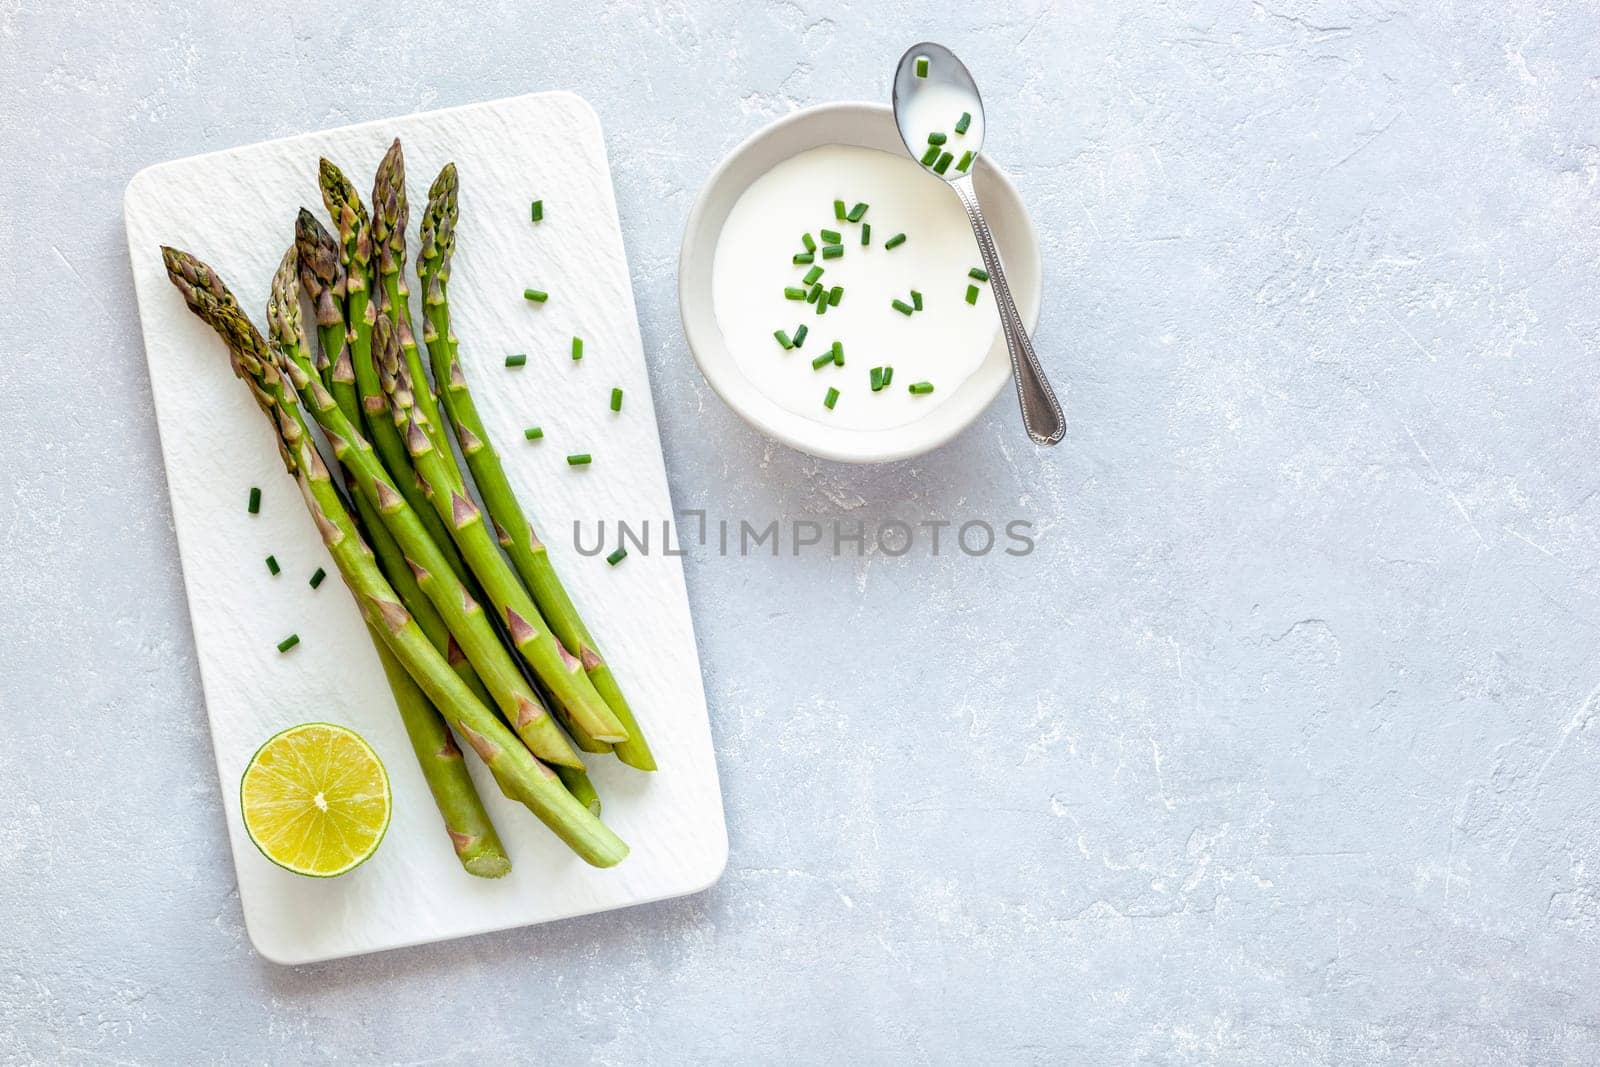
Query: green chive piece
[
  {"x": 822, "y": 360},
  {"x": 288, "y": 642},
  {"x": 814, "y": 293},
  {"x": 835, "y": 295},
  {"x": 822, "y": 307},
  {"x": 812, "y": 275},
  {"x": 582, "y": 459},
  {"x": 922, "y": 66},
  {"x": 783, "y": 339},
  {"x": 931, "y": 156},
  {"x": 979, "y": 273},
  {"x": 838, "y": 353},
  {"x": 617, "y": 557},
  {"x": 888, "y": 376},
  {"x": 809, "y": 241},
  {"x": 832, "y": 251},
  {"x": 894, "y": 242},
  {"x": 803, "y": 257},
  {"x": 902, "y": 307},
  {"x": 831, "y": 399},
  {"x": 866, "y": 233},
  {"x": 921, "y": 388},
  {"x": 937, "y": 138},
  {"x": 916, "y": 300},
  {"x": 538, "y": 211},
  {"x": 791, "y": 293},
  {"x": 800, "y": 334},
  {"x": 533, "y": 433},
  {"x": 943, "y": 164},
  {"x": 254, "y": 506},
  {"x": 838, "y": 209},
  {"x": 317, "y": 576},
  {"x": 517, "y": 360},
  {"x": 538, "y": 296},
  {"x": 966, "y": 161},
  {"x": 963, "y": 122},
  {"x": 972, "y": 294},
  {"x": 577, "y": 348},
  {"x": 830, "y": 237},
  {"x": 272, "y": 566},
  {"x": 877, "y": 379},
  {"x": 856, "y": 212},
  {"x": 616, "y": 399}
]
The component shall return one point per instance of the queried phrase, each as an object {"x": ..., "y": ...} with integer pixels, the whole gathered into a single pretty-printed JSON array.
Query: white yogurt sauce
[{"x": 944, "y": 343}]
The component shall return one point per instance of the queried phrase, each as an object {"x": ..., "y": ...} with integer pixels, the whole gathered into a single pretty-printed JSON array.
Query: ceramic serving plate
[
  {"x": 236, "y": 210},
  {"x": 869, "y": 126}
]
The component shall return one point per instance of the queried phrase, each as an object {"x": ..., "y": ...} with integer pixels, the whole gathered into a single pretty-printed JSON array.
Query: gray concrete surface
[{"x": 1283, "y": 745}]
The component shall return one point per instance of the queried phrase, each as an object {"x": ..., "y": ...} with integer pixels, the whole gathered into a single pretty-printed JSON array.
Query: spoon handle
[{"x": 1041, "y": 412}]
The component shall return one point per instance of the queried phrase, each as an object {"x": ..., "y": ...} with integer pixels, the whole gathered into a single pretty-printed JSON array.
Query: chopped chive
[
  {"x": 517, "y": 359},
  {"x": 792, "y": 293},
  {"x": 822, "y": 360},
  {"x": 888, "y": 376},
  {"x": 288, "y": 642},
  {"x": 978, "y": 273},
  {"x": 943, "y": 164},
  {"x": 800, "y": 334},
  {"x": 814, "y": 293},
  {"x": 972, "y": 294},
  {"x": 963, "y": 122},
  {"x": 538, "y": 211},
  {"x": 877, "y": 378},
  {"x": 838, "y": 209},
  {"x": 937, "y": 138},
  {"x": 803, "y": 257},
  {"x": 931, "y": 156},
  {"x": 866, "y": 233},
  {"x": 856, "y": 212},
  {"x": 838, "y": 353},
  {"x": 832, "y": 251},
  {"x": 538, "y": 296},
  {"x": 916, "y": 300},
  {"x": 617, "y": 557},
  {"x": 254, "y": 507},
  {"x": 822, "y": 307},
  {"x": 812, "y": 275},
  {"x": 272, "y": 566},
  {"x": 902, "y": 307},
  {"x": 809, "y": 241},
  {"x": 616, "y": 399},
  {"x": 922, "y": 66},
  {"x": 783, "y": 339},
  {"x": 830, "y": 237},
  {"x": 533, "y": 433},
  {"x": 577, "y": 348},
  {"x": 921, "y": 388},
  {"x": 894, "y": 242},
  {"x": 317, "y": 576},
  {"x": 966, "y": 161},
  {"x": 581, "y": 459},
  {"x": 831, "y": 399},
  {"x": 835, "y": 295}
]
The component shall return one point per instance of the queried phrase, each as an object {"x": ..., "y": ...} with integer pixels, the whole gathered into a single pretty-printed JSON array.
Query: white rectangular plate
[{"x": 236, "y": 211}]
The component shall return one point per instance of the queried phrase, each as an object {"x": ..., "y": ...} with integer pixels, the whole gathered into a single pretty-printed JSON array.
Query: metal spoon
[{"x": 931, "y": 101}]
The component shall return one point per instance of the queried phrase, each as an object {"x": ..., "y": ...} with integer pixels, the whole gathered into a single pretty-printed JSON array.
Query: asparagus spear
[
  {"x": 460, "y": 610},
  {"x": 528, "y": 554},
  {"x": 558, "y": 670},
  {"x": 263, "y": 371}
]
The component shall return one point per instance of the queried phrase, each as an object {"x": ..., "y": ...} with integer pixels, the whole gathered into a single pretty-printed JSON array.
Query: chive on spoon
[{"x": 937, "y": 106}]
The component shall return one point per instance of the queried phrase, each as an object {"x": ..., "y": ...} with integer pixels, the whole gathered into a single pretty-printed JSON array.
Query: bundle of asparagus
[{"x": 408, "y": 539}]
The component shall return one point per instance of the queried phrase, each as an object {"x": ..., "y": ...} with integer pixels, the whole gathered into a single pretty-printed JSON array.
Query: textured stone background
[{"x": 1282, "y": 747}]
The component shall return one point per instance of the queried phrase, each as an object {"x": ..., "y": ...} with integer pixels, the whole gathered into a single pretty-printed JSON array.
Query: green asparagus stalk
[
  {"x": 528, "y": 554},
  {"x": 461, "y": 612},
  {"x": 558, "y": 670},
  {"x": 519, "y": 773},
  {"x": 582, "y": 790}
]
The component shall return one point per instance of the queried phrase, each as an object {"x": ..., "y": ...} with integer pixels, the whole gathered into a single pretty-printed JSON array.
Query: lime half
[{"x": 315, "y": 799}]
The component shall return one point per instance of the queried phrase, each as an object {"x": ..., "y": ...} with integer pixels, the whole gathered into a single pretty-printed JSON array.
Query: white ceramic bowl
[{"x": 870, "y": 126}]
